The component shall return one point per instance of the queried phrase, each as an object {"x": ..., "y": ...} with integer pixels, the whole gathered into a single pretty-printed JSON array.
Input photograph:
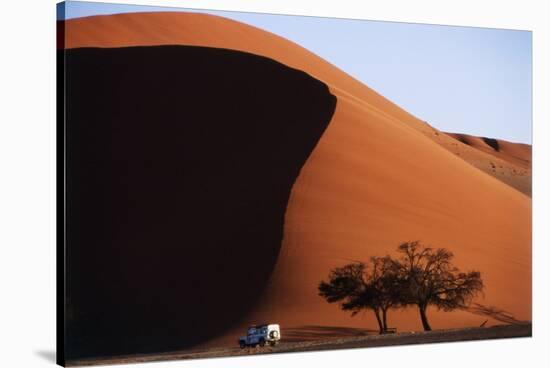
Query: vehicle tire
[
  {"x": 262, "y": 342},
  {"x": 272, "y": 343},
  {"x": 274, "y": 335},
  {"x": 242, "y": 344}
]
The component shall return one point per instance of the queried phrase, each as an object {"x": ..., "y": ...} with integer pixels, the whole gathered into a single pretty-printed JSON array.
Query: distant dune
[
  {"x": 378, "y": 176},
  {"x": 506, "y": 161}
]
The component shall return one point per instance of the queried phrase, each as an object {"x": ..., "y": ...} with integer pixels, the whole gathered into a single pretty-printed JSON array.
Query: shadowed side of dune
[{"x": 180, "y": 162}]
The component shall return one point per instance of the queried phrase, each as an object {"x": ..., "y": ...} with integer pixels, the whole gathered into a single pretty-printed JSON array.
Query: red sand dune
[{"x": 375, "y": 179}]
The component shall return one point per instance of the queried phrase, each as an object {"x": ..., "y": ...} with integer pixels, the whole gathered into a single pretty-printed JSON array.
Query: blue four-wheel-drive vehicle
[{"x": 261, "y": 335}]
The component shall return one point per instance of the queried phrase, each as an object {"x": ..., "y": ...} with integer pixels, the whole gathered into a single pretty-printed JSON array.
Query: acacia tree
[
  {"x": 429, "y": 278},
  {"x": 346, "y": 285},
  {"x": 386, "y": 286},
  {"x": 356, "y": 289}
]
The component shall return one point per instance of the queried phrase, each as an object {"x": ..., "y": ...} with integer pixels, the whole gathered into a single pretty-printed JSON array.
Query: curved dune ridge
[{"x": 377, "y": 177}]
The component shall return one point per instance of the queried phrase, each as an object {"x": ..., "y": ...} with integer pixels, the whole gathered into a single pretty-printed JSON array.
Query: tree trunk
[
  {"x": 384, "y": 319},
  {"x": 380, "y": 326},
  {"x": 424, "y": 317}
]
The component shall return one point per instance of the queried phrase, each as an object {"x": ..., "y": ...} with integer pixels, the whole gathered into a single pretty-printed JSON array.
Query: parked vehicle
[{"x": 261, "y": 335}]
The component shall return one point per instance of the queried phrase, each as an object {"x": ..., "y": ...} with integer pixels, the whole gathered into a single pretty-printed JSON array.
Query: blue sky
[{"x": 459, "y": 79}]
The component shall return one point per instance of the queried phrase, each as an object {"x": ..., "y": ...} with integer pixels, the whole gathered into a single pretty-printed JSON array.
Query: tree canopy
[
  {"x": 422, "y": 276},
  {"x": 429, "y": 278},
  {"x": 358, "y": 287}
]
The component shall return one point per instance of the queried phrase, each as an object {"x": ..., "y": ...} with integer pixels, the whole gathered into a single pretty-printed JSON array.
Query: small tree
[
  {"x": 386, "y": 286},
  {"x": 356, "y": 289},
  {"x": 429, "y": 278},
  {"x": 346, "y": 284}
]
